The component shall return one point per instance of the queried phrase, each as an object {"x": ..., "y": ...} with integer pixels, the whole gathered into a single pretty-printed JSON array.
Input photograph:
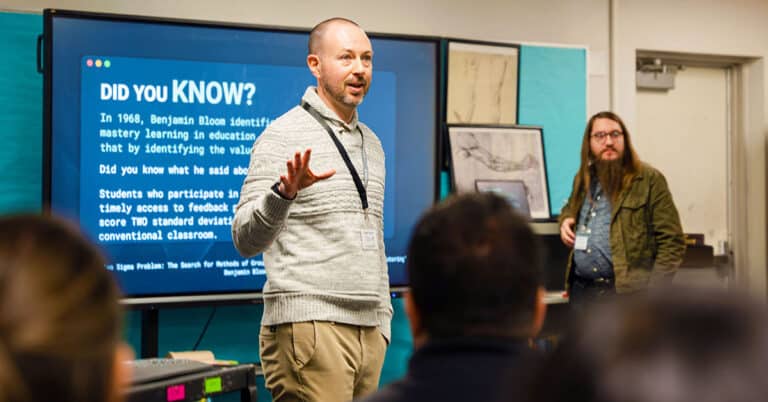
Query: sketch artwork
[
  {"x": 501, "y": 154},
  {"x": 482, "y": 84}
]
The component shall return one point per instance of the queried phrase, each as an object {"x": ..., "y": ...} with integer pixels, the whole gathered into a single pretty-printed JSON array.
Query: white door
[{"x": 683, "y": 132}]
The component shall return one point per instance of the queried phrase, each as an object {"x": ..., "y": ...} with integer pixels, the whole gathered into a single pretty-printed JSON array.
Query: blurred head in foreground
[
  {"x": 474, "y": 271},
  {"x": 60, "y": 318},
  {"x": 678, "y": 345}
]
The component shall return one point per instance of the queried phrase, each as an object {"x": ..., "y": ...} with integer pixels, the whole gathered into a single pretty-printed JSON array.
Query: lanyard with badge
[
  {"x": 367, "y": 236},
  {"x": 583, "y": 231}
]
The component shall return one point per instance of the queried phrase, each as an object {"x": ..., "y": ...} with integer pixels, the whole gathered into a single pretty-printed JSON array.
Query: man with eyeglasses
[{"x": 620, "y": 219}]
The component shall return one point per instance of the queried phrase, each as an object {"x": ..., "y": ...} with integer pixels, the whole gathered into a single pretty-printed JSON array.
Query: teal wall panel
[
  {"x": 400, "y": 346},
  {"x": 553, "y": 94},
  {"x": 445, "y": 184},
  {"x": 21, "y": 114}
]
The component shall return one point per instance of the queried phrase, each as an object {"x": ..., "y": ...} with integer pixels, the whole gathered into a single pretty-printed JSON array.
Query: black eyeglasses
[{"x": 600, "y": 136}]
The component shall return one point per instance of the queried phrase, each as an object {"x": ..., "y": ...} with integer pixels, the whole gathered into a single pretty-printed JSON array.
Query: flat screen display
[
  {"x": 149, "y": 125},
  {"x": 514, "y": 191}
]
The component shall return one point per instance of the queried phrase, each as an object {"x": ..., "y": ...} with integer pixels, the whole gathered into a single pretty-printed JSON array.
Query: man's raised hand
[{"x": 299, "y": 176}]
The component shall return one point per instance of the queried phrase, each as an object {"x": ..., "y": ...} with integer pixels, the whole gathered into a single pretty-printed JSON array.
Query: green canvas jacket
[{"x": 646, "y": 238}]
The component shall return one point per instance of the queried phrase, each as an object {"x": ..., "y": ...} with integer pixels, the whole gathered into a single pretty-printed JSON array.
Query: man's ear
[
  {"x": 414, "y": 319},
  {"x": 313, "y": 62},
  {"x": 539, "y": 312}
]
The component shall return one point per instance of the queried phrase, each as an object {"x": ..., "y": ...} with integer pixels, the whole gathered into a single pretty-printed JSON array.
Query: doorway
[
  {"x": 705, "y": 134},
  {"x": 682, "y": 129}
]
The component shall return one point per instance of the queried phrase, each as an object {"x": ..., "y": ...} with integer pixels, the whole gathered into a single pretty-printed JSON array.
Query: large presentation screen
[{"x": 149, "y": 127}]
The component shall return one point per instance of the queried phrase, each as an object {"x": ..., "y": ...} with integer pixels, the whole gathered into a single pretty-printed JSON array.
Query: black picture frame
[{"x": 502, "y": 153}]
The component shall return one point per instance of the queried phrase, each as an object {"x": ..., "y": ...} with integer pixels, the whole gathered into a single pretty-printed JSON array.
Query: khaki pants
[{"x": 321, "y": 361}]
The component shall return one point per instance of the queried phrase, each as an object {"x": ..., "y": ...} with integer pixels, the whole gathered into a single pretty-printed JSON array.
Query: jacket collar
[{"x": 437, "y": 352}]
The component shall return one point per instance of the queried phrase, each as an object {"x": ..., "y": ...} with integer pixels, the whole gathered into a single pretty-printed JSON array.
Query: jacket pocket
[{"x": 636, "y": 232}]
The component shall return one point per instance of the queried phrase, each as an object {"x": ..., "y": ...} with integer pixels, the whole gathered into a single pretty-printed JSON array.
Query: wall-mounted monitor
[
  {"x": 515, "y": 191},
  {"x": 148, "y": 128}
]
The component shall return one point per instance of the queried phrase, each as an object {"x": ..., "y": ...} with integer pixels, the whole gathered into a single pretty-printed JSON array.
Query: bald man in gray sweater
[{"x": 327, "y": 311}]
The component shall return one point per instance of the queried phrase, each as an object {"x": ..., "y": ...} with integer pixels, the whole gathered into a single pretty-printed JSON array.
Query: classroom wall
[
  {"x": 21, "y": 89},
  {"x": 563, "y": 22},
  {"x": 709, "y": 27}
]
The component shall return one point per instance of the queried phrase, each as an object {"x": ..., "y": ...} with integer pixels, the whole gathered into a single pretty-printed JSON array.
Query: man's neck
[{"x": 345, "y": 114}]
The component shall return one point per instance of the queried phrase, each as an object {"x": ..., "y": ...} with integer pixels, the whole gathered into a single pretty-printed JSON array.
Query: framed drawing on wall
[
  {"x": 507, "y": 159},
  {"x": 482, "y": 83}
]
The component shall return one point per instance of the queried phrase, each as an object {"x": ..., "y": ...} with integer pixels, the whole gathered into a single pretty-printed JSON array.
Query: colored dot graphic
[
  {"x": 107, "y": 63},
  {"x": 89, "y": 63},
  {"x": 98, "y": 63}
]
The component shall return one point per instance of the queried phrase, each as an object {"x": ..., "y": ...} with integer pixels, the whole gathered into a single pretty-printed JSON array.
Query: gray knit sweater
[{"x": 316, "y": 266}]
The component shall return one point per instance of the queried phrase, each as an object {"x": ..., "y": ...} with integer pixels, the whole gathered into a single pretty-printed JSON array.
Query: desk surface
[{"x": 196, "y": 386}]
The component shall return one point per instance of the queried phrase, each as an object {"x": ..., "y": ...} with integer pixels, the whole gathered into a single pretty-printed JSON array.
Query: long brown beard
[{"x": 610, "y": 174}]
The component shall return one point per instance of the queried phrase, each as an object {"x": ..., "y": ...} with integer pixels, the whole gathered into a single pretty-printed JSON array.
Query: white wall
[
  {"x": 736, "y": 27},
  {"x": 710, "y": 27},
  {"x": 570, "y": 22}
]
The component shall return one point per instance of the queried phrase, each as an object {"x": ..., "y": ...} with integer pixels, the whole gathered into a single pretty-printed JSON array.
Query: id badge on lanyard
[
  {"x": 583, "y": 231},
  {"x": 368, "y": 239},
  {"x": 369, "y": 236},
  {"x": 582, "y": 237}
]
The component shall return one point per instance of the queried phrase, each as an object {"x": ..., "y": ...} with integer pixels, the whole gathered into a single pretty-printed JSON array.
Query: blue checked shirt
[{"x": 595, "y": 261}]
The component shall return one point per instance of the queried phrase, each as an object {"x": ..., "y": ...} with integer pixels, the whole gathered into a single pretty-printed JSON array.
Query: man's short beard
[
  {"x": 610, "y": 174},
  {"x": 340, "y": 96}
]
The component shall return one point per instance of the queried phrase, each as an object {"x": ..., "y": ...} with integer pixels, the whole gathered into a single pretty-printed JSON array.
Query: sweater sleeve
[{"x": 261, "y": 213}]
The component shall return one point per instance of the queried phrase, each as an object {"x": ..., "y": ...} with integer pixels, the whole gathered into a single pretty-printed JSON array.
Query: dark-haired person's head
[
  {"x": 60, "y": 319},
  {"x": 607, "y": 155},
  {"x": 475, "y": 271},
  {"x": 680, "y": 345}
]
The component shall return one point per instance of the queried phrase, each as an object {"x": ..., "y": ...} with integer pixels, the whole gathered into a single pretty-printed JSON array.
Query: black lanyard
[{"x": 344, "y": 155}]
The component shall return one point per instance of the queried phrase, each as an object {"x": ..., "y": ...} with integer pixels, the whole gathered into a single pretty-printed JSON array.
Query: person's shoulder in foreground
[{"x": 475, "y": 300}]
